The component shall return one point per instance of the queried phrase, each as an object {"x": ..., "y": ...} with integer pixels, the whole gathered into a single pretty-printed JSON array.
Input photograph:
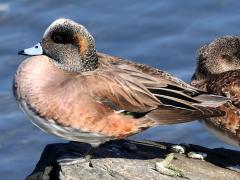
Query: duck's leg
[
  {"x": 75, "y": 157},
  {"x": 89, "y": 154}
]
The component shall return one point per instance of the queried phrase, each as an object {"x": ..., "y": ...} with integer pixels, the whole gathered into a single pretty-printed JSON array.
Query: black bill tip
[{"x": 21, "y": 52}]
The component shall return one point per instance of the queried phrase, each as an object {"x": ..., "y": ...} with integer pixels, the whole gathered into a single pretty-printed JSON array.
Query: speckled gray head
[
  {"x": 69, "y": 45},
  {"x": 221, "y": 55}
]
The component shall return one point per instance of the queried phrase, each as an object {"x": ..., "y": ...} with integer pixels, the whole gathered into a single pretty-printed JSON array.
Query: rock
[{"x": 128, "y": 159}]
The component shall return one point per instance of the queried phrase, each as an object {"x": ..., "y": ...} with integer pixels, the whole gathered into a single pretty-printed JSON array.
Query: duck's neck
[
  {"x": 202, "y": 72},
  {"x": 200, "y": 77},
  {"x": 88, "y": 63}
]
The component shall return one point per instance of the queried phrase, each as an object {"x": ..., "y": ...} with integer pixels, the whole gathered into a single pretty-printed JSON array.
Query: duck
[
  {"x": 68, "y": 89},
  {"x": 218, "y": 72}
]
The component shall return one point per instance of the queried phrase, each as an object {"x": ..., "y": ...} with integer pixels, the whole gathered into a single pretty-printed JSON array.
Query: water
[{"x": 164, "y": 34}]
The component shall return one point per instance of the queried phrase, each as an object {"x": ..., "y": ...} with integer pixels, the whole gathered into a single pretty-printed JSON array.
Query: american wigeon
[
  {"x": 218, "y": 72},
  {"x": 74, "y": 92}
]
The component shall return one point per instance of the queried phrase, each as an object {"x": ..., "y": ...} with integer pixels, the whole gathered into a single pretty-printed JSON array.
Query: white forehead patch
[
  {"x": 62, "y": 21},
  {"x": 55, "y": 23}
]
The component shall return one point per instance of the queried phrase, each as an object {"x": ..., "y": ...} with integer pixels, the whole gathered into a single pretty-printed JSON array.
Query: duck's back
[{"x": 107, "y": 60}]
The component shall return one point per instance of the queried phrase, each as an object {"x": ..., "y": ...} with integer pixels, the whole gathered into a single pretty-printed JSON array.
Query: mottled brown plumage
[
  {"x": 93, "y": 97},
  {"x": 218, "y": 72}
]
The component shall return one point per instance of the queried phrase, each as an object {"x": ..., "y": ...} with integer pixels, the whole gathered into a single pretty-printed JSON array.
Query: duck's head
[
  {"x": 221, "y": 55},
  {"x": 69, "y": 45}
]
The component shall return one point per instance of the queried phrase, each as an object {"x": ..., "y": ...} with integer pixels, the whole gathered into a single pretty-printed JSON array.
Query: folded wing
[{"x": 127, "y": 90}]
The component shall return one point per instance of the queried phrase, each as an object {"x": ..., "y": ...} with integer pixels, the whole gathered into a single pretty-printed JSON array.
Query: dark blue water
[{"x": 164, "y": 34}]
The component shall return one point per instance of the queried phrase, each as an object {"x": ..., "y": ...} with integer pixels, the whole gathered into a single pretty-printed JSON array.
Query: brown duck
[
  {"x": 76, "y": 93},
  {"x": 218, "y": 72}
]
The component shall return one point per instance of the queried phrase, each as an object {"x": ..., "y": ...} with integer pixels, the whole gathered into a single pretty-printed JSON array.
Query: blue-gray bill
[{"x": 32, "y": 51}]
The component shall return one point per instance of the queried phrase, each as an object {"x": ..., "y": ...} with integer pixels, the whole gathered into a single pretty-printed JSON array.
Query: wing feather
[{"x": 125, "y": 89}]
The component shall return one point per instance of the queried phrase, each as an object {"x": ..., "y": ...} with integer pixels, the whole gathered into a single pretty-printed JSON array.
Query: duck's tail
[{"x": 178, "y": 107}]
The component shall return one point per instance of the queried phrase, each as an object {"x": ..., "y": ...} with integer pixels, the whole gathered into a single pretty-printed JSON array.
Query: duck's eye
[
  {"x": 227, "y": 58},
  {"x": 57, "y": 39},
  {"x": 62, "y": 38}
]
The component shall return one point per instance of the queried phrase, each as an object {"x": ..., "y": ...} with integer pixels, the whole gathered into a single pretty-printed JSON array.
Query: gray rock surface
[{"x": 127, "y": 159}]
